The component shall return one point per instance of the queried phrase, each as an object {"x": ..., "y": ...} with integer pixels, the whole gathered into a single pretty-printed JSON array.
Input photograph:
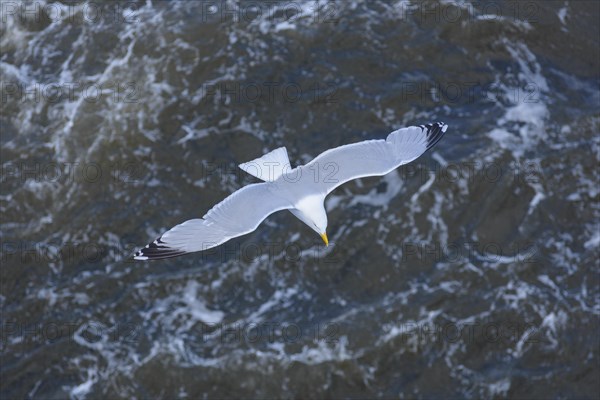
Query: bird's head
[
  {"x": 312, "y": 213},
  {"x": 319, "y": 225}
]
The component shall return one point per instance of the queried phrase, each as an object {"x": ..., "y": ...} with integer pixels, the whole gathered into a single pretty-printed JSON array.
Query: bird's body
[{"x": 302, "y": 190}]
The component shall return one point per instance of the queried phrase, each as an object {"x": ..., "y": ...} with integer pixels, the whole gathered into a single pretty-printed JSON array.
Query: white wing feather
[
  {"x": 238, "y": 214},
  {"x": 373, "y": 157}
]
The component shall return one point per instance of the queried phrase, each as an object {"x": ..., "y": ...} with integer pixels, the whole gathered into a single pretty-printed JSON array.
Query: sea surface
[{"x": 472, "y": 272}]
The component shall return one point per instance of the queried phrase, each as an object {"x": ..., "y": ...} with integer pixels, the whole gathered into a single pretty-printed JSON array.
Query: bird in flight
[{"x": 301, "y": 190}]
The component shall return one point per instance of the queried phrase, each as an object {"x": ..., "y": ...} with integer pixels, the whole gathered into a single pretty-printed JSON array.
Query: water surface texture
[{"x": 472, "y": 272}]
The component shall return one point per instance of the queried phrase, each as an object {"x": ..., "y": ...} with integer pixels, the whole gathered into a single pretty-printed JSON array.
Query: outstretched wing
[
  {"x": 238, "y": 214},
  {"x": 374, "y": 157}
]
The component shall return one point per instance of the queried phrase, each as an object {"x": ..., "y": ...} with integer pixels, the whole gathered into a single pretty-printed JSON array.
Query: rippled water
[{"x": 472, "y": 272}]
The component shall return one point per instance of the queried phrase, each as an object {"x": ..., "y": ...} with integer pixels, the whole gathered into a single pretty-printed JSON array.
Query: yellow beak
[{"x": 324, "y": 237}]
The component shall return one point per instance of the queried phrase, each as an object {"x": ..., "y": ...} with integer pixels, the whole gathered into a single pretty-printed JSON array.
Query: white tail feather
[{"x": 270, "y": 166}]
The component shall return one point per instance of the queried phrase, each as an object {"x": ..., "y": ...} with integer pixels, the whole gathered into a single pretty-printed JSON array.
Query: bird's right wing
[
  {"x": 238, "y": 214},
  {"x": 373, "y": 157}
]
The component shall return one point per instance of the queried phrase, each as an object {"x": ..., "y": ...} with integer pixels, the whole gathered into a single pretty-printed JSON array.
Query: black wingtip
[
  {"x": 157, "y": 250},
  {"x": 435, "y": 132}
]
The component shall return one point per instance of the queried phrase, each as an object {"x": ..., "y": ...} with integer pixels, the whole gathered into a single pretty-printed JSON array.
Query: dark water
[{"x": 472, "y": 272}]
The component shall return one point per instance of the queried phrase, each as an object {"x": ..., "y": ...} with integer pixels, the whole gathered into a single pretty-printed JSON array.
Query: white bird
[{"x": 302, "y": 190}]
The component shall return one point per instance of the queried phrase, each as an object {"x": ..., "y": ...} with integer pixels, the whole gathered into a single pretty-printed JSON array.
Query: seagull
[{"x": 301, "y": 190}]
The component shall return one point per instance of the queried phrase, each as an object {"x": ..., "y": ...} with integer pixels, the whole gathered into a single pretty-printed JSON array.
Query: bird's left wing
[
  {"x": 373, "y": 157},
  {"x": 238, "y": 214}
]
